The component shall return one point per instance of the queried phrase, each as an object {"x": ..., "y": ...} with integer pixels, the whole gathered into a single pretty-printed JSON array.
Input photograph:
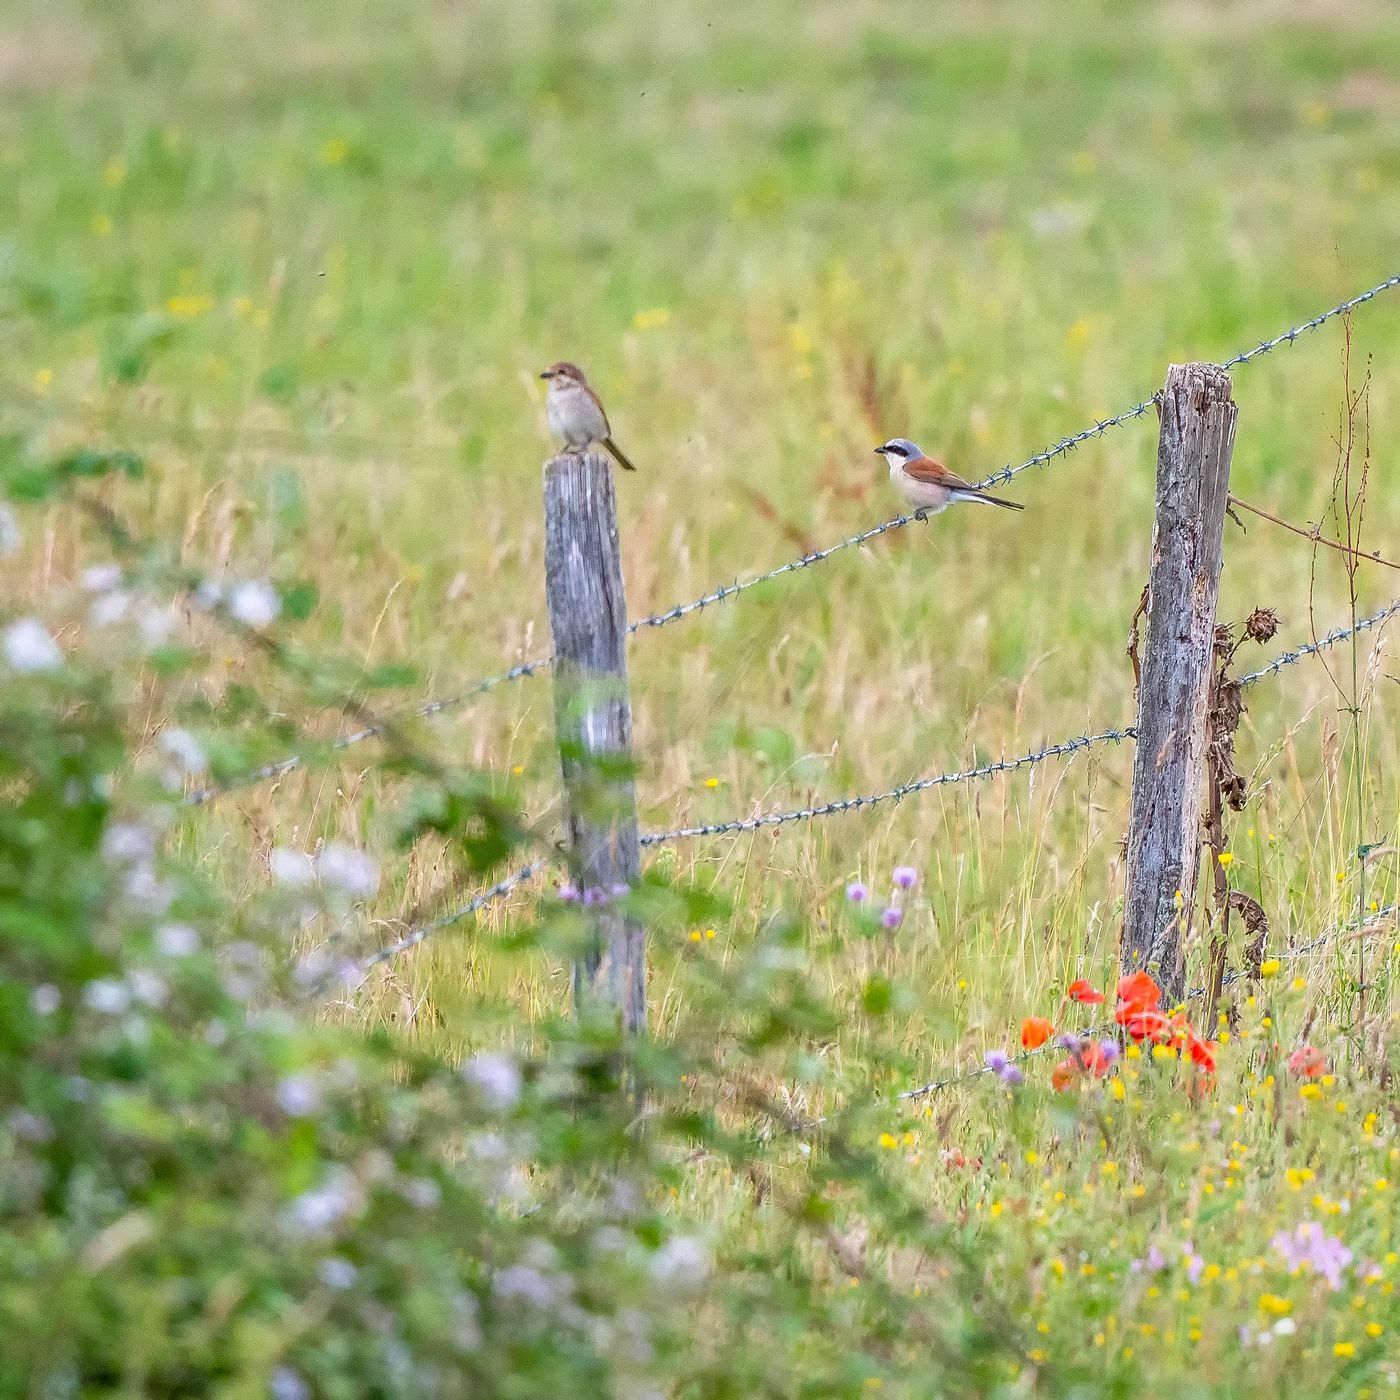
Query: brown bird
[
  {"x": 575, "y": 412},
  {"x": 929, "y": 485}
]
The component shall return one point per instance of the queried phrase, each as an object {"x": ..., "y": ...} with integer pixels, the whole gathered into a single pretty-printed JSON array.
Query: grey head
[{"x": 899, "y": 450}]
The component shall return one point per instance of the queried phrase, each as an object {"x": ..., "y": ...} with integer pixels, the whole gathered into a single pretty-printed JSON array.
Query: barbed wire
[
  {"x": 1339, "y": 634},
  {"x": 806, "y": 561},
  {"x": 846, "y": 804}
]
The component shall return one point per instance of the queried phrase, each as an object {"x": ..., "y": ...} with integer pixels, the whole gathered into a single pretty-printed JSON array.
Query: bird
[
  {"x": 575, "y": 412},
  {"x": 928, "y": 485}
]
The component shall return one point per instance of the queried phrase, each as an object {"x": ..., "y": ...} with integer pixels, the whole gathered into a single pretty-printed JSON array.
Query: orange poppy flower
[
  {"x": 1202, "y": 1052},
  {"x": 1308, "y": 1062},
  {"x": 1083, "y": 991},
  {"x": 1062, "y": 1076},
  {"x": 1096, "y": 1059},
  {"x": 1140, "y": 990},
  {"x": 1146, "y": 1024},
  {"x": 1035, "y": 1031}
]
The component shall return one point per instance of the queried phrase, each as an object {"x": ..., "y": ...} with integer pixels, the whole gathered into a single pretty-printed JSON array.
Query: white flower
[
  {"x": 10, "y": 537},
  {"x": 110, "y": 608},
  {"x": 1285, "y": 1327},
  {"x": 521, "y": 1283},
  {"x": 29, "y": 647},
  {"x": 682, "y": 1262},
  {"x": 126, "y": 843},
  {"x": 290, "y": 868},
  {"x": 298, "y": 1095},
  {"x": 254, "y": 603},
  {"x": 422, "y": 1192},
  {"x": 102, "y": 578},
  {"x": 107, "y": 995},
  {"x": 287, "y": 1384},
  {"x": 336, "y": 1272},
  {"x": 176, "y": 940},
  {"x": 156, "y": 624},
  {"x": 209, "y": 594},
  {"x": 318, "y": 1209},
  {"x": 45, "y": 999},
  {"x": 497, "y": 1077},
  {"x": 147, "y": 987},
  {"x": 185, "y": 749},
  {"x": 344, "y": 868}
]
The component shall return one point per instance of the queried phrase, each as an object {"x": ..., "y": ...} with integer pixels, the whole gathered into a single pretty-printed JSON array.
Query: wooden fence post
[
  {"x": 1164, "y": 829},
  {"x": 593, "y": 724}
]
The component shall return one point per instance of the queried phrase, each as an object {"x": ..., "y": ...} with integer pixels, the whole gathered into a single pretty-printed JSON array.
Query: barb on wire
[
  {"x": 731, "y": 590},
  {"x": 1339, "y": 634},
  {"x": 845, "y": 804}
]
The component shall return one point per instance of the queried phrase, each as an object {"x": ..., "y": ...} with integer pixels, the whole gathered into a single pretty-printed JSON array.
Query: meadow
[{"x": 307, "y": 262}]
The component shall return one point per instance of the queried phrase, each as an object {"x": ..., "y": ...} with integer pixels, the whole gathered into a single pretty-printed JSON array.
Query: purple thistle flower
[
  {"x": 568, "y": 892},
  {"x": 1011, "y": 1076},
  {"x": 1311, "y": 1245},
  {"x": 997, "y": 1061},
  {"x": 892, "y": 918},
  {"x": 1195, "y": 1267},
  {"x": 1108, "y": 1051},
  {"x": 593, "y": 897},
  {"x": 904, "y": 877},
  {"x": 619, "y": 890},
  {"x": 857, "y": 893},
  {"x": 1156, "y": 1260}
]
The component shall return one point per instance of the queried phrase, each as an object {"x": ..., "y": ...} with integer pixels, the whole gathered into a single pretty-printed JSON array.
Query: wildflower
[
  {"x": 1035, "y": 1031},
  {"x": 291, "y": 868},
  {"x": 346, "y": 869},
  {"x": 567, "y": 892},
  {"x": 891, "y": 918},
  {"x": 254, "y": 603},
  {"x": 1062, "y": 1076},
  {"x": 45, "y": 999},
  {"x": 298, "y": 1095},
  {"x": 337, "y": 1272},
  {"x": 1270, "y": 967},
  {"x": 1344, "y": 1349},
  {"x": 889, "y": 1142},
  {"x": 1307, "y": 1062},
  {"x": 1081, "y": 990},
  {"x": 185, "y": 749},
  {"x": 682, "y": 1262},
  {"x": 107, "y": 995},
  {"x": 1011, "y": 1076},
  {"x": 1309, "y": 1244},
  {"x": 497, "y": 1077},
  {"x": 1202, "y": 1052},
  {"x": 904, "y": 877},
  {"x": 996, "y": 1060},
  {"x": 322, "y": 1206},
  {"x": 1226, "y": 859},
  {"x": 1148, "y": 1025},
  {"x": 1099, "y": 1057},
  {"x": 287, "y": 1384},
  {"x": 857, "y": 893},
  {"x": 29, "y": 648}
]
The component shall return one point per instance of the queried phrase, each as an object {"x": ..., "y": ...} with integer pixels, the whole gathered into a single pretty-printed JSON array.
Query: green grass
[{"x": 309, "y": 258}]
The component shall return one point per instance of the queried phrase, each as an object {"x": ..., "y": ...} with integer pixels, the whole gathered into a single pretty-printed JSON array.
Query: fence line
[
  {"x": 731, "y": 590},
  {"x": 850, "y": 804}
]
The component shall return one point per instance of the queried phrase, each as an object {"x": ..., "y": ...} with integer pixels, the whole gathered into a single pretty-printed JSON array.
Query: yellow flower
[
  {"x": 1374, "y": 1329},
  {"x": 334, "y": 151},
  {"x": 1032, "y": 1157},
  {"x": 43, "y": 380},
  {"x": 1344, "y": 1349},
  {"x": 100, "y": 224},
  {"x": 1269, "y": 968},
  {"x": 709, "y": 934},
  {"x": 800, "y": 338},
  {"x": 1227, "y": 858},
  {"x": 1310, "y": 1091},
  {"x": 186, "y": 308},
  {"x": 1274, "y": 1305},
  {"x": 1299, "y": 983},
  {"x": 887, "y": 1140},
  {"x": 711, "y": 782},
  {"x": 695, "y": 938},
  {"x": 651, "y": 320}
]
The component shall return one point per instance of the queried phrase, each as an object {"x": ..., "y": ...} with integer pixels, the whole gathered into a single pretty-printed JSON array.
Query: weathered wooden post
[
  {"x": 593, "y": 724},
  {"x": 1164, "y": 829}
]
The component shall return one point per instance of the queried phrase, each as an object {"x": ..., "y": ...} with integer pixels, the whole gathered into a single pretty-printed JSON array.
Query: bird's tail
[
  {"x": 619, "y": 456},
  {"x": 989, "y": 500}
]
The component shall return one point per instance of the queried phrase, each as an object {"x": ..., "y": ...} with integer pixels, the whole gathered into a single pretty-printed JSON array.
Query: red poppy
[
  {"x": 1062, "y": 1076},
  {"x": 1202, "y": 1052},
  {"x": 1035, "y": 1031},
  {"x": 1146, "y": 1024},
  {"x": 1096, "y": 1059},
  {"x": 1139, "y": 990},
  {"x": 1085, "y": 992},
  {"x": 1308, "y": 1062}
]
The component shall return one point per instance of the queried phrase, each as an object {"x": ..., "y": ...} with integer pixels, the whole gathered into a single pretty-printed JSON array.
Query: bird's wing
[
  {"x": 598, "y": 404},
  {"x": 925, "y": 469}
]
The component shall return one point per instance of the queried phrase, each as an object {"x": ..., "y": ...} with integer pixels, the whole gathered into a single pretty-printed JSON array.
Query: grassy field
[{"x": 308, "y": 260}]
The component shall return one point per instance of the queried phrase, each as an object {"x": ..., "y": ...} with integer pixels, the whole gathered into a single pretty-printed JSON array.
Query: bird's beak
[
  {"x": 879, "y": 451},
  {"x": 546, "y": 374}
]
